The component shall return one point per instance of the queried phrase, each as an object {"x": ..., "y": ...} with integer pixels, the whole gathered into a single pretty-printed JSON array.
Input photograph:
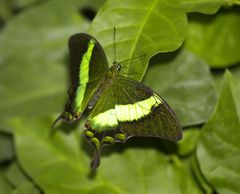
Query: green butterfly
[{"x": 121, "y": 108}]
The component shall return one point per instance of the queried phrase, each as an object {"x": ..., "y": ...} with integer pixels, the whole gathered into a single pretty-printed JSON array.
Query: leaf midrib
[{"x": 141, "y": 29}]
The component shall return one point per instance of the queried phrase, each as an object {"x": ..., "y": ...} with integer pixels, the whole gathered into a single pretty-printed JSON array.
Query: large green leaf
[
  {"x": 185, "y": 82},
  {"x": 10, "y": 8},
  {"x": 20, "y": 183},
  {"x": 23, "y": 3},
  {"x": 14, "y": 181},
  {"x": 59, "y": 165},
  {"x": 200, "y": 179},
  {"x": 33, "y": 58},
  {"x": 15, "y": 176},
  {"x": 188, "y": 143},
  {"x": 218, "y": 151},
  {"x": 218, "y": 74},
  {"x": 143, "y": 28},
  {"x": 5, "y": 186},
  {"x": 206, "y": 6},
  {"x": 5, "y": 9},
  {"x": 216, "y": 38}
]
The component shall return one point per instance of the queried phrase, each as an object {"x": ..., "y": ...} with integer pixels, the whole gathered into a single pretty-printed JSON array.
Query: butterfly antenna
[
  {"x": 134, "y": 58},
  {"x": 114, "y": 44}
]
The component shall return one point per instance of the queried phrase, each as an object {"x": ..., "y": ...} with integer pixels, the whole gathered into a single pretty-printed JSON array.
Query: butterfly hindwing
[
  {"x": 152, "y": 118},
  {"x": 131, "y": 108},
  {"x": 126, "y": 109}
]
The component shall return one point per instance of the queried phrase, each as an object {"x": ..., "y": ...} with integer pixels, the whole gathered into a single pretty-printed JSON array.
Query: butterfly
[{"x": 120, "y": 107}]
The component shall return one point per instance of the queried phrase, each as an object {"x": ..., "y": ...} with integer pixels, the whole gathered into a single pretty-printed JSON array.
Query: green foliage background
[{"x": 192, "y": 60}]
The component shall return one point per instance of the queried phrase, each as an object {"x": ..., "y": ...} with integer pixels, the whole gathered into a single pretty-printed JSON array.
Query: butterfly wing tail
[{"x": 96, "y": 158}]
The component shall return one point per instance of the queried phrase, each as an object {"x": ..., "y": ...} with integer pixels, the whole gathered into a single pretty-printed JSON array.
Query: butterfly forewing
[{"x": 88, "y": 65}]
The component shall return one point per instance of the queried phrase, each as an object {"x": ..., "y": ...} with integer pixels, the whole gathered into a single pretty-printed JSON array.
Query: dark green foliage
[{"x": 33, "y": 85}]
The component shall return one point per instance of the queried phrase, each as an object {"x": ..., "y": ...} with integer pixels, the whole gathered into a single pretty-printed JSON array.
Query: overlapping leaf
[
  {"x": 59, "y": 165},
  {"x": 216, "y": 38},
  {"x": 136, "y": 23},
  {"x": 5, "y": 186},
  {"x": 188, "y": 144},
  {"x": 219, "y": 147},
  {"x": 185, "y": 82},
  {"x": 33, "y": 60},
  {"x": 33, "y": 79},
  {"x": 206, "y": 7},
  {"x": 14, "y": 181}
]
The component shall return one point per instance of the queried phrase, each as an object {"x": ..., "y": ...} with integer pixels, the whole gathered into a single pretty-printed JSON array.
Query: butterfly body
[
  {"x": 107, "y": 80},
  {"x": 120, "y": 107}
]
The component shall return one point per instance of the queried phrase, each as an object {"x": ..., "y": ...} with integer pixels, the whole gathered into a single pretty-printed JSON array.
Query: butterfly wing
[
  {"x": 128, "y": 108},
  {"x": 88, "y": 65},
  {"x": 135, "y": 110}
]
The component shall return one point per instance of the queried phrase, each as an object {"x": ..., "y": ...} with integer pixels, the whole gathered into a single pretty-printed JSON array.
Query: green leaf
[
  {"x": 26, "y": 188},
  {"x": 188, "y": 144},
  {"x": 18, "y": 180},
  {"x": 5, "y": 188},
  {"x": 23, "y": 3},
  {"x": 5, "y": 9},
  {"x": 218, "y": 151},
  {"x": 33, "y": 59},
  {"x": 189, "y": 88},
  {"x": 202, "y": 182},
  {"x": 218, "y": 75},
  {"x": 13, "y": 181},
  {"x": 10, "y": 8},
  {"x": 15, "y": 176},
  {"x": 143, "y": 28},
  {"x": 6, "y": 148},
  {"x": 218, "y": 46},
  {"x": 64, "y": 166},
  {"x": 205, "y": 6}
]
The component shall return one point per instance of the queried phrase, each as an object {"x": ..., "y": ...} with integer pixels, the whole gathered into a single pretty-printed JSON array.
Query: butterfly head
[{"x": 116, "y": 67}]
